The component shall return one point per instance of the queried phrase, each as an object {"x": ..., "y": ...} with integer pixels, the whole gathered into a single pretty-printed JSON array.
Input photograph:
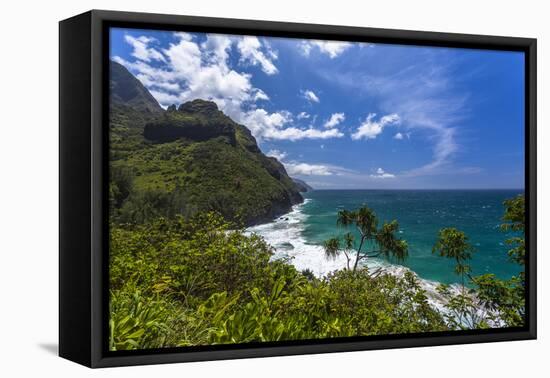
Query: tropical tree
[
  {"x": 506, "y": 298},
  {"x": 453, "y": 244},
  {"x": 373, "y": 241},
  {"x": 502, "y": 301},
  {"x": 514, "y": 221}
]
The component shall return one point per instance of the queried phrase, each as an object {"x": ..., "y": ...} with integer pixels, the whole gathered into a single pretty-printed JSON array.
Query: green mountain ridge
[
  {"x": 186, "y": 160},
  {"x": 127, "y": 90}
]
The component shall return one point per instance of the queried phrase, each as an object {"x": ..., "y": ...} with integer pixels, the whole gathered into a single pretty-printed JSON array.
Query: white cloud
[
  {"x": 164, "y": 98},
  {"x": 310, "y": 96},
  {"x": 260, "y": 95},
  {"x": 265, "y": 125},
  {"x": 334, "y": 120},
  {"x": 370, "y": 128},
  {"x": 296, "y": 168},
  {"x": 380, "y": 173},
  {"x": 279, "y": 155},
  {"x": 165, "y": 86},
  {"x": 330, "y": 48},
  {"x": 305, "y": 48},
  {"x": 398, "y": 136},
  {"x": 293, "y": 133},
  {"x": 313, "y": 120},
  {"x": 183, "y": 36},
  {"x": 250, "y": 49},
  {"x": 192, "y": 70},
  {"x": 270, "y": 51},
  {"x": 305, "y": 169},
  {"x": 142, "y": 51},
  {"x": 303, "y": 115},
  {"x": 216, "y": 48}
]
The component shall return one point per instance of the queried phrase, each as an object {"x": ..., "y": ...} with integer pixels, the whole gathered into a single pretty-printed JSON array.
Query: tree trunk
[
  {"x": 358, "y": 253},
  {"x": 347, "y": 259}
]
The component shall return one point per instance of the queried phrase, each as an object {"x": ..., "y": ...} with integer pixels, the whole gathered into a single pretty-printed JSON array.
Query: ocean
[{"x": 421, "y": 214}]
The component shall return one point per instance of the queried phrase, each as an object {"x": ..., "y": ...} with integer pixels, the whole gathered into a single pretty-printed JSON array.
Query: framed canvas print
[{"x": 234, "y": 188}]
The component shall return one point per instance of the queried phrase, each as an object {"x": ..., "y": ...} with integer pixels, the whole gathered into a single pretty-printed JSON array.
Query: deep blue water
[{"x": 421, "y": 214}]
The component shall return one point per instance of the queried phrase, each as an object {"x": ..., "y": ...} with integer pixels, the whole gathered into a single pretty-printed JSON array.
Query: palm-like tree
[
  {"x": 453, "y": 244},
  {"x": 382, "y": 241},
  {"x": 333, "y": 247}
]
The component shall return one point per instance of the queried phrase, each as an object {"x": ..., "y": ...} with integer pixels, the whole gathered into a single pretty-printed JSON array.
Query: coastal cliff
[{"x": 188, "y": 159}]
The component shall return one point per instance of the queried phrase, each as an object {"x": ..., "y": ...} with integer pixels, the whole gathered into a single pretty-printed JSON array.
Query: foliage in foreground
[
  {"x": 491, "y": 301},
  {"x": 196, "y": 282}
]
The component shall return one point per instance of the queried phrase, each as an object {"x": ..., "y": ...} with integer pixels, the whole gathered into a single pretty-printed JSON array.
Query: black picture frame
[{"x": 83, "y": 167}]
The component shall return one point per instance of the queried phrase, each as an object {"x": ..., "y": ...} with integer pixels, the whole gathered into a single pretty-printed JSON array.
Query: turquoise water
[{"x": 420, "y": 213}]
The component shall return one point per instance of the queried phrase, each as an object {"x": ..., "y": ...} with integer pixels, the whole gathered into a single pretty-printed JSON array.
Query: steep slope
[
  {"x": 131, "y": 107},
  {"x": 188, "y": 160},
  {"x": 302, "y": 185},
  {"x": 125, "y": 89}
]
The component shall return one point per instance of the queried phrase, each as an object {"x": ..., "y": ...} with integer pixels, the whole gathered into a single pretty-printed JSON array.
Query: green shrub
[{"x": 192, "y": 282}]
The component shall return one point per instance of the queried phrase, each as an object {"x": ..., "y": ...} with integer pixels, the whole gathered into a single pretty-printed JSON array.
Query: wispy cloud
[
  {"x": 334, "y": 120},
  {"x": 279, "y": 155},
  {"x": 305, "y": 169},
  {"x": 251, "y": 52},
  {"x": 381, "y": 174},
  {"x": 299, "y": 168},
  {"x": 429, "y": 105},
  {"x": 310, "y": 96},
  {"x": 401, "y": 136},
  {"x": 141, "y": 49},
  {"x": 317, "y": 169},
  {"x": 425, "y": 97},
  {"x": 331, "y": 48}
]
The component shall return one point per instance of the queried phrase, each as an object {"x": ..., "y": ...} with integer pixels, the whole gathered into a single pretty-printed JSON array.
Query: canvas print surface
[{"x": 269, "y": 189}]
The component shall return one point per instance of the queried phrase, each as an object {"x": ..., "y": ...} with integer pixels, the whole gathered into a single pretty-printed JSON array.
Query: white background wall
[{"x": 29, "y": 174}]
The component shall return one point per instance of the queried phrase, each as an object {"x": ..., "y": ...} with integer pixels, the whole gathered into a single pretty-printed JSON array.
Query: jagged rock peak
[{"x": 199, "y": 106}]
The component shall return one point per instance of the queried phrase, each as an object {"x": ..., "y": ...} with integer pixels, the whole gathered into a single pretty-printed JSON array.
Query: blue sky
[{"x": 350, "y": 115}]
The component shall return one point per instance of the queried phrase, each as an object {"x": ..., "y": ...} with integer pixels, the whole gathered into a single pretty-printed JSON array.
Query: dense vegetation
[
  {"x": 201, "y": 281},
  {"x": 183, "y": 184},
  {"x": 190, "y": 282}
]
